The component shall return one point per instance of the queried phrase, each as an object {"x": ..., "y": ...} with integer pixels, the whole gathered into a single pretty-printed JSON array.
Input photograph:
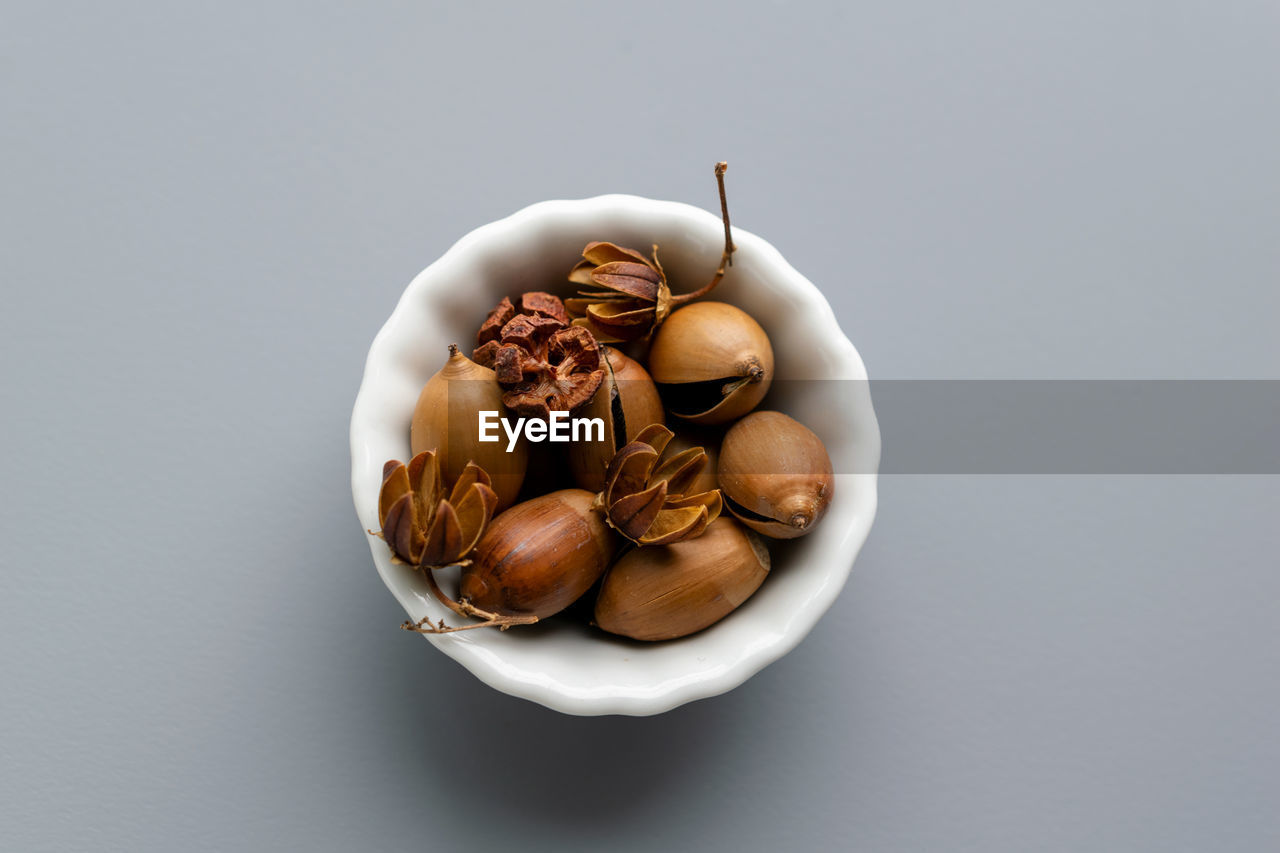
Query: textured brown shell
[
  {"x": 721, "y": 346},
  {"x": 446, "y": 419},
  {"x": 539, "y": 556},
  {"x": 674, "y": 590},
  {"x": 775, "y": 474},
  {"x": 641, "y": 406}
]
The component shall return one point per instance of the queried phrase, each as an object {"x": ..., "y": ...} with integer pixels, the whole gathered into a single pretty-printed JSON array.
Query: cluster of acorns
[{"x": 643, "y": 526}]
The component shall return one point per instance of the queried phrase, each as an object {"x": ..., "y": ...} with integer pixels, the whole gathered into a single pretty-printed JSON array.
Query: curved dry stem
[
  {"x": 426, "y": 626},
  {"x": 462, "y": 608},
  {"x": 726, "y": 257}
]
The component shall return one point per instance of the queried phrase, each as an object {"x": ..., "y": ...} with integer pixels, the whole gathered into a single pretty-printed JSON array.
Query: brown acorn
[
  {"x": 775, "y": 474},
  {"x": 675, "y": 590},
  {"x": 627, "y": 401},
  {"x": 712, "y": 362},
  {"x": 535, "y": 559},
  {"x": 446, "y": 419},
  {"x": 539, "y": 556}
]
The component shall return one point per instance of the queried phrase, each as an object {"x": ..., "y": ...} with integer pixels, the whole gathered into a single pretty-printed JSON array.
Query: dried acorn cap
[
  {"x": 425, "y": 526},
  {"x": 626, "y": 402},
  {"x": 543, "y": 364},
  {"x": 624, "y": 296},
  {"x": 539, "y": 556},
  {"x": 776, "y": 475},
  {"x": 445, "y": 420},
  {"x": 676, "y": 590},
  {"x": 712, "y": 362},
  {"x": 709, "y": 440},
  {"x": 646, "y": 493}
]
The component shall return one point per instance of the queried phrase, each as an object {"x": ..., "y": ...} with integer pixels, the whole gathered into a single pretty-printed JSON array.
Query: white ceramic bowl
[{"x": 563, "y": 666}]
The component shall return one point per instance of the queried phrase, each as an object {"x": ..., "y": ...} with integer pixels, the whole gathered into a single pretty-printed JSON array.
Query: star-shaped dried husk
[
  {"x": 644, "y": 493},
  {"x": 425, "y": 527},
  {"x": 623, "y": 295}
]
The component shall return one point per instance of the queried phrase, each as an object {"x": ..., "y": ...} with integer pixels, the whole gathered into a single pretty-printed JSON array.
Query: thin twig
[
  {"x": 721, "y": 167},
  {"x": 462, "y": 608},
  {"x": 726, "y": 257}
]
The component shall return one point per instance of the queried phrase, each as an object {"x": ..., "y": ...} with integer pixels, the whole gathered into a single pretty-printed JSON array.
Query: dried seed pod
[
  {"x": 446, "y": 420},
  {"x": 543, "y": 364},
  {"x": 559, "y": 373},
  {"x": 533, "y": 304},
  {"x": 627, "y": 401},
  {"x": 425, "y": 527},
  {"x": 646, "y": 496},
  {"x": 775, "y": 474},
  {"x": 673, "y": 591},
  {"x": 712, "y": 362},
  {"x": 539, "y": 556},
  {"x": 625, "y": 295},
  {"x": 709, "y": 440}
]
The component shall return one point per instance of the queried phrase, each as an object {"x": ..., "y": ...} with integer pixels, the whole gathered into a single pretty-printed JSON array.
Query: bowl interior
[{"x": 819, "y": 380}]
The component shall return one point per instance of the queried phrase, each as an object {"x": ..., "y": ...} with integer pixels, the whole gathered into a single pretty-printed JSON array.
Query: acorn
[
  {"x": 446, "y": 419},
  {"x": 627, "y": 401},
  {"x": 672, "y": 591},
  {"x": 539, "y": 556},
  {"x": 534, "y": 560},
  {"x": 775, "y": 475},
  {"x": 712, "y": 362}
]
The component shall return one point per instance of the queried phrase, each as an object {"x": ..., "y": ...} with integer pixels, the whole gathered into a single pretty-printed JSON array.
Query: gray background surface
[{"x": 208, "y": 213}]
